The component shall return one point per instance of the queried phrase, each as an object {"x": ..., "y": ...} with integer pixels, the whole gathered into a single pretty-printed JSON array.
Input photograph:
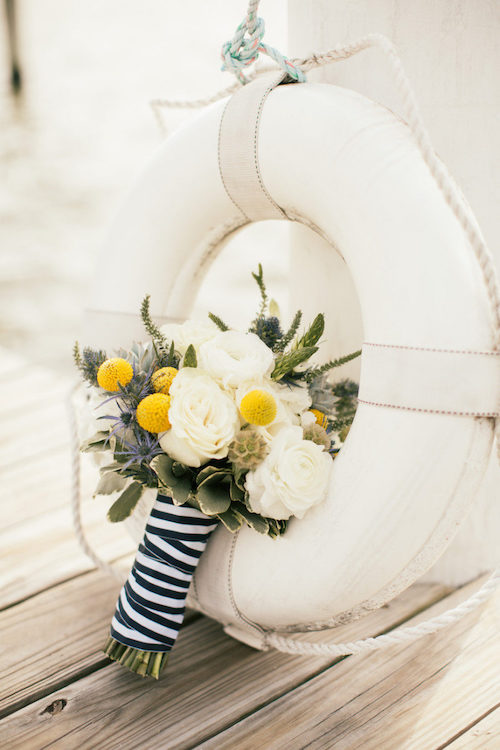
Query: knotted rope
[
  {"x": 237, "y": 55},
  {"x": 243, "y": 49}
]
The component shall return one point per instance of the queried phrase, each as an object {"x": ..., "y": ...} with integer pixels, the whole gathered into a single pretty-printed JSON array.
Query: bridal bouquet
[{"x": 228, "y": 428}]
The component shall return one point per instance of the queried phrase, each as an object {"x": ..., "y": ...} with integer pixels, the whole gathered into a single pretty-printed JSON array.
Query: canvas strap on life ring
[
  {"x": 239, "y": 150},
  {"x": 439, "y": 381},
  {"x": 400, "y": 377}
]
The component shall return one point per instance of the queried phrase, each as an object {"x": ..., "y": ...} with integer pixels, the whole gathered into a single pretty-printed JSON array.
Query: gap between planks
[{"x": 484, "y": 733}]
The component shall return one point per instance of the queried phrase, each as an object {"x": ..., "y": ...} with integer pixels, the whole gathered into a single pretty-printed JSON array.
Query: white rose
[
  {"x": 233, "y": 357},
  {"x": 291, "y": 479},
  {"x": 194, "y": 332},
  {"x": 204, "y": 419}
]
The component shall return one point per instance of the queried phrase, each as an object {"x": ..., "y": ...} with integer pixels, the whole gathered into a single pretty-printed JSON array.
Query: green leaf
[
  {"x": 314, "y": 333},
  {"x": 110, "y": 482},
  {"x": 181, "y": 492},
  {"x": 274, "y": 309},
  {"x": 212, "y": 474},
  {"x": 213, "y": 498},
  {"x": 179, "y": 485},
  {"x": 232, "y": 520},
  {"x": 288, "y": 336},
  {"x": 190, "y": 359},
  {"x": 94, "y": 443},
  {"x": 178, "y": 469},
  {"x": 317, "y": 371},
  {"x": 239, "y": 477},
  {"x": 287, "y": 362},
  {"x": 218, "y": 322},
  {"x": 254, "y": 520},
  {"x": 259, "y": 278},
  {"x": 237, "y": 493},
  {"x": 126, "y": 503},
  {"x": 162, "y": 467},
  {"x": 115, "y": 466}
]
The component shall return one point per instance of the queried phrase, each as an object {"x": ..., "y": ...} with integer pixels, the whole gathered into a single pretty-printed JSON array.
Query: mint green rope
[{"x": 246, "y": 45}]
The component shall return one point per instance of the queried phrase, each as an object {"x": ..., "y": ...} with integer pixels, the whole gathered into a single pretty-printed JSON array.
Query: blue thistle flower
[{"x": 268, "y": 330}]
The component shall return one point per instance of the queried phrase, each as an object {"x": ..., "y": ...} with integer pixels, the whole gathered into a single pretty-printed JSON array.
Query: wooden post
[{"x": 450, "y": 52}]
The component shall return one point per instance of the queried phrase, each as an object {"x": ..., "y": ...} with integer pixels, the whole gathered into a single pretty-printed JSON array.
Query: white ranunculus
[
  {"x": 295, "y": 398},
  {"x": 292, "y": 478},
  {"x": 233, "y": 357},
  {"x": 194, "y": 332},
  {"x": 204, "y": 419}
]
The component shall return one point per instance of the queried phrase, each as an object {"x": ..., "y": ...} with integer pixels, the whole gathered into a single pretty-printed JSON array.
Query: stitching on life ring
[
  {"x": 430, "y": 349},
  {"x": 237, "y": 612},
  {"x": 255, "y": 144},
  {"x": 221, "y": 174},
  {"x": 431, "y": 411}
]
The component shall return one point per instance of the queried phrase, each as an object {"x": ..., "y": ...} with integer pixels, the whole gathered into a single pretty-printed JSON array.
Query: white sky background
[{"x": 83, "y": 128}]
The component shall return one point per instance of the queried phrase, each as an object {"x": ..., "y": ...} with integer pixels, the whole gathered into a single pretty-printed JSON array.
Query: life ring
[{"x": 419, "y": 446}]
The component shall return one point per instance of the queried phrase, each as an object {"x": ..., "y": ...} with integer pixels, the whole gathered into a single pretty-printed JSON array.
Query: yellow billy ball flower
[
  {"x": 162, "y": 379},
  {"x": 152, "y": 412},
  {"x": 321, "y": 418},
  {"x": 258, "y": 407},
  {"x": 114, "y": 372}
]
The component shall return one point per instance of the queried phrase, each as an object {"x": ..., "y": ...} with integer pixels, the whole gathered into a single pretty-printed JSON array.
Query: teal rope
[{"x": 244, "y": 48}]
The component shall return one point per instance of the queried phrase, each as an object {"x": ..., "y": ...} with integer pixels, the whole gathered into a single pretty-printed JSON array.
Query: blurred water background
[{"x": 72, "y": 142}]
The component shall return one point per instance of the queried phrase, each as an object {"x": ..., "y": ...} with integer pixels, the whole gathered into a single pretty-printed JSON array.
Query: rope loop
[{"x": 243, "y": 49}]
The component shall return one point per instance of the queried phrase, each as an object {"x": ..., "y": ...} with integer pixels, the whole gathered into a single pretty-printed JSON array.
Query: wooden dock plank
[
  {"x": 44, "y": 551},
  {"x": 484, "y": 735},
  {"x": 210, "y": 683},
  {"x": 56, "y": 637},
  {"x": 410, "y": 697}
]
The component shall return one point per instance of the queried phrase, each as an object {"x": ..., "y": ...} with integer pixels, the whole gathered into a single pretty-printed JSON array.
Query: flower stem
[{"x": 143, "y": 663}]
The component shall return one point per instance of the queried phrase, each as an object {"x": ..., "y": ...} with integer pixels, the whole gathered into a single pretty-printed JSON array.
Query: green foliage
[
  {"x": 259, "y": 278},
  {"x": 317, "y": 371},
  {"x": 95, "y": 444},
  {"x": 218, "y": 322},
  {"x": 268, "y": 330},
  {"x": 213, "y": 496},
  {"x": 346, "y": 394},
  {"x": 288, "y": 362},
  {"x": 89, "y": 362},
  {"x": 110, "y": 482},
  {"x": 190, "y": 359},
  {"x": 232, "y": 520},
  {"x": 314, "y": 332},
  {"x": 290, "y": 334},
  {"x": 254, "y": 520},
  {"x": 173, "y": 477},
  {"x": 165, "y": 351},
  {"x": 123, "y": 507}
]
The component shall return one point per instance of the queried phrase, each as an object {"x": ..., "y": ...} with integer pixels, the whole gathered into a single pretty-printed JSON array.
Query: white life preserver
[{"x": 423, "y": 432}]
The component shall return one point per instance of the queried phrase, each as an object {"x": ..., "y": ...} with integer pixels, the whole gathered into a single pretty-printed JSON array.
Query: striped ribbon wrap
[{"x": 151, "y": 605}]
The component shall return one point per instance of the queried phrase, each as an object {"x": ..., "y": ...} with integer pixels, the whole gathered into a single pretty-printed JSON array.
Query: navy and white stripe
[{"x": 151, "y": 605}]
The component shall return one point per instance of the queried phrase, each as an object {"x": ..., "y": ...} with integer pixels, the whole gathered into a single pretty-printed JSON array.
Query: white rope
[
  {"x": 399, "y": 635},
  {"x": 76, "y": 492},
  {"x": 485, "y": 260}
]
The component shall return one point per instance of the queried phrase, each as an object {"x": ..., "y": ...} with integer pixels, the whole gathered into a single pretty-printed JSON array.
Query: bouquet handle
[{"x": 151, "y": 606}]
